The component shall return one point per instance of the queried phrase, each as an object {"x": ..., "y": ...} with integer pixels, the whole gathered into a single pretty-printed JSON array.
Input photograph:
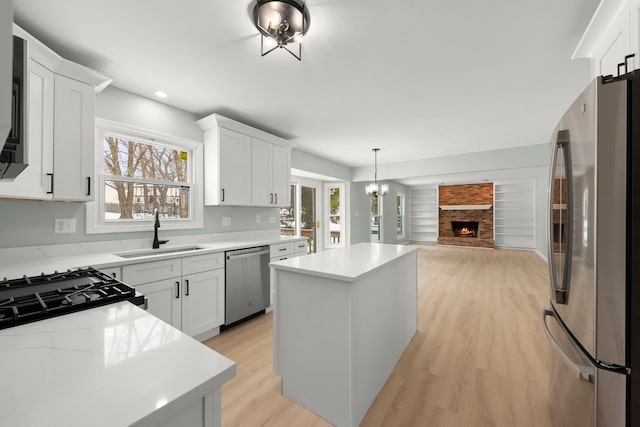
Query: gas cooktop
[{"x": 28, "y": 299}]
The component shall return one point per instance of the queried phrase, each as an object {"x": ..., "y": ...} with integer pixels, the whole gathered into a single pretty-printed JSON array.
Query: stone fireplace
[{"x": 466, "y": 215}]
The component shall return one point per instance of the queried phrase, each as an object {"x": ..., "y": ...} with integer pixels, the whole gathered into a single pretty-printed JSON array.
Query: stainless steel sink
[{"x": 163, "y": 251}]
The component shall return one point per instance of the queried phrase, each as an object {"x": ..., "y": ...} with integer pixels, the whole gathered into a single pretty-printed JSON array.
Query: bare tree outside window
[{"x": 142, "y": 177}]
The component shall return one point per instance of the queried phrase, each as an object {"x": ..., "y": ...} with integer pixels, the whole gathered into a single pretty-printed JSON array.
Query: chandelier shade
[
  {"x": 282, "y": 24},
  {"x": 374, "y": 189}
]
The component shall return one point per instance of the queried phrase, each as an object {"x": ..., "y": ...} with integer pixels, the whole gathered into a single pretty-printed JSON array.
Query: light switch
[
  {"x": 226, "y": 221},
  {"x": 258, "y": 218}
]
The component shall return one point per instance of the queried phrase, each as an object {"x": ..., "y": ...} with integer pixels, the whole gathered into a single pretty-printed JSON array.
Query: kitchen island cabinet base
[{"x": 336, "y": 342}]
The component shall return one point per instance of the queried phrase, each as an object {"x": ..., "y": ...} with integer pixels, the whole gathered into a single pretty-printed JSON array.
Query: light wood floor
[{"x": 479, "y": 357}]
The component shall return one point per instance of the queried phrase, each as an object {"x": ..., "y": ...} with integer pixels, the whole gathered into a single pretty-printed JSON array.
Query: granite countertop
[
  {"x": 348, "y": 263},
  {"x": 108, "y": 366}
]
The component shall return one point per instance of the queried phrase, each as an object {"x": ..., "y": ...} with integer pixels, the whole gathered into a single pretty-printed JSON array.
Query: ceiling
[{"x": 417, "y": 79}]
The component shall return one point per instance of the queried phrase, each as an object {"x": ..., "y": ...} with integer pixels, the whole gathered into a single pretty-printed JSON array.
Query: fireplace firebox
[{"x": 465, "y": 228}]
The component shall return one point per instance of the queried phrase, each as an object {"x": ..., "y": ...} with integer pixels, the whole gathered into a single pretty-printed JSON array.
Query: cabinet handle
[
  {"x": 276, "y": 202},
  {"x": 51, "y": 191},
  {"x": 114, "y": 275},
  {"x": 282, "y": 249},
  {"x": 222, "y": 195},
  {"x": 88, "y": 186},
  {"x": 271, "y": 194},
  {"x": 186, "y": 282},
  {"x": 177, "y": 289}
]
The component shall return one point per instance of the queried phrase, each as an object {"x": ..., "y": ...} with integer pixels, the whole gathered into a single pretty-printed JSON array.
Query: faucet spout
[{"x": 156, "y": 242}]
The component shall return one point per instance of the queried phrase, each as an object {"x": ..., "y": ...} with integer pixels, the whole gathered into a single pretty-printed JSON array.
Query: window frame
[{"x": 94, "y": 212}]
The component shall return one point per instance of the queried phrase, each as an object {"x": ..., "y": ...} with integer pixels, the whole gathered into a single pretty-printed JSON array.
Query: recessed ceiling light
[{"x": 161, "y": 94}]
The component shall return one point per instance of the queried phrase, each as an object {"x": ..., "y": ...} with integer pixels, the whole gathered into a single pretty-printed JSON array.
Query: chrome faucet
[{"x": 156, "y": 242}]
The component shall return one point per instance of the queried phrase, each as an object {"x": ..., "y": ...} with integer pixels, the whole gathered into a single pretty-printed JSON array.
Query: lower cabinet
[
  {"x": 282, "y": 251},
  {"x": 190, "y": 299}
]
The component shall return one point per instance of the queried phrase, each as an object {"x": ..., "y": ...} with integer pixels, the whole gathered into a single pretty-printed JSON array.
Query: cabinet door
[
  {"x": 261, "y": 188},
  {"x": 203, "y": 301},
  {"x": 235, "y": 168},
  {"x": 115, "y": 272},
  {"x": 145, "y": 272},
  {"x": 280, "y": 174},
  {"x": 73, "y": 136},
  {"x": 35, "y": 182},
  {"x": 164, "y": 300}
]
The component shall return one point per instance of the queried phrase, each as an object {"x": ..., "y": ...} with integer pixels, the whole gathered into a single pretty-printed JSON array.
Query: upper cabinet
[
  {"x": 60, "y": 127},
  {"x": 6, "y": 61},
  {"x": 244, "y": 166},
  {"x": 610, "y": 37}
]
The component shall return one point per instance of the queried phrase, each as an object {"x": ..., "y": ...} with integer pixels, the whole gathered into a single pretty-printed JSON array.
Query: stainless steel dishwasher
[{"x": 246, "y": 283}]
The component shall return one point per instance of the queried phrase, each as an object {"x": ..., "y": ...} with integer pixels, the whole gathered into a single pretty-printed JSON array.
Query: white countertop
[
  {"x": 347, "y": 263},
  {"x": 30, "y": 261},
  {"x": 108, "y": 366}
]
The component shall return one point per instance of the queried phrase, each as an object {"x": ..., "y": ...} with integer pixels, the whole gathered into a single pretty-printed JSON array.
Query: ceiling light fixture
[
  {"x": 282, "y": 24},
  {"x": 374, "y": 189},
  {"x": 161, "y": 94}
]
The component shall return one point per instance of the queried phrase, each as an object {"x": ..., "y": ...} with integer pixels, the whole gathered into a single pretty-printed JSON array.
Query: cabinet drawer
[
  {"x": 200, "y": 263},
  {"x": 152, "y": 271},
  {"x": 300, "y": 247},
  {"x": 281, "y": 249}
]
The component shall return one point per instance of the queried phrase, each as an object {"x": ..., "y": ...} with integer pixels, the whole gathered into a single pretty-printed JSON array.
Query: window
[
  {"x": 400, "y": 215},
  {"x": 299, "y": 219},
  {"x": 376, "y": 218},
  {"x": 139, "y": 171},
  {"x": 335, "y": 205}
]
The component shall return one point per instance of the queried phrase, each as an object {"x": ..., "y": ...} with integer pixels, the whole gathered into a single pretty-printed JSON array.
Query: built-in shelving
[
  {"x": 424, "y": 214},
  {"x": 514, "y": 214}
]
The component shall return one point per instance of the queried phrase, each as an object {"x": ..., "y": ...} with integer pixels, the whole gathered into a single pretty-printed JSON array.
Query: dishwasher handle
[{"x": 231, "y": 256}]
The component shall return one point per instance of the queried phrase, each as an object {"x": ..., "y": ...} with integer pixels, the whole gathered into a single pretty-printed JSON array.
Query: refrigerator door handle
[
  {"x": 561, "y": 292},
  {"x": 585, "y": 373}
]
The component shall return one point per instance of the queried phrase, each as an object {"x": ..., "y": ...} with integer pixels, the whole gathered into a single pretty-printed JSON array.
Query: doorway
[{"x": 300, "y": 218}]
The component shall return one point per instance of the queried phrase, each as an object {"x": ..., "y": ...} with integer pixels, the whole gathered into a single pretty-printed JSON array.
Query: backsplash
[{"x": 31, "y": 223}]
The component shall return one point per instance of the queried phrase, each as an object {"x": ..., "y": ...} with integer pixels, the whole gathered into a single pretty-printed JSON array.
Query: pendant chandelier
[
  {"x": 374, "y": 189},
  {"x": 282, "y": 24}
]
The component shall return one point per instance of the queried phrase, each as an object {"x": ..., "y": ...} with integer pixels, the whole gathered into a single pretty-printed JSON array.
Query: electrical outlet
[
  {"x": 226, "y": 221},
  {"x": 272, "y": 219},
  {"x": 64, "y": 225},
  {"x": 258, "y": 218}
]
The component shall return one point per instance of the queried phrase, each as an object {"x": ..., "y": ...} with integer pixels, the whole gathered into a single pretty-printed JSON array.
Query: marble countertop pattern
[{"x": 109, "y": 366}]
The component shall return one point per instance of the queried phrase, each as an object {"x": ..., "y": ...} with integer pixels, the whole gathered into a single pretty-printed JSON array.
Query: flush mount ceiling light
[
  {"x": 374, "y": 189},
  {"x": 282, "y": 24}
]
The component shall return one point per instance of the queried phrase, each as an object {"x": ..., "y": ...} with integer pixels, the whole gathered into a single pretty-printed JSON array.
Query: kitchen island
[
  {"x": 114, "y": 365},
  {"x": 342, "y": 319}
]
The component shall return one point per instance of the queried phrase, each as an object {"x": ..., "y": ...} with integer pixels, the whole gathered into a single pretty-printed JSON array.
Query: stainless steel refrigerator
[{"x": 593, "y": 320}]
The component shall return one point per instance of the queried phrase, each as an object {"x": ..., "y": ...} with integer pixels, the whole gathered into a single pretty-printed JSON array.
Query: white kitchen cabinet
[
  {"x": 186, "y": 292},
  {"x": 163, "y": 300},
  {"x": 227, "y": 170},
  {"x": 244, "y": 166},
  {"x": 282, "y": 251},
  {"x": 611, "y": 35},
  {"x": 6, "y": 61},
  {"x": 202, "y": 302},
  {"x": 35, "y": 182},
  {"x": 60, "y": 128},
  {"x": 73, "y": 136},
  {"x": 270, "y": 168}
]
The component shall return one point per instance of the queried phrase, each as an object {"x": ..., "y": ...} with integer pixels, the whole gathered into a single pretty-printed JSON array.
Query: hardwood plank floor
[{"x": 479, "y": 357}]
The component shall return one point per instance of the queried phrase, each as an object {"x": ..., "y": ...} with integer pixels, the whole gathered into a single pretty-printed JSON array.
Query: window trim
[{"x": 94, "y": 211}]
